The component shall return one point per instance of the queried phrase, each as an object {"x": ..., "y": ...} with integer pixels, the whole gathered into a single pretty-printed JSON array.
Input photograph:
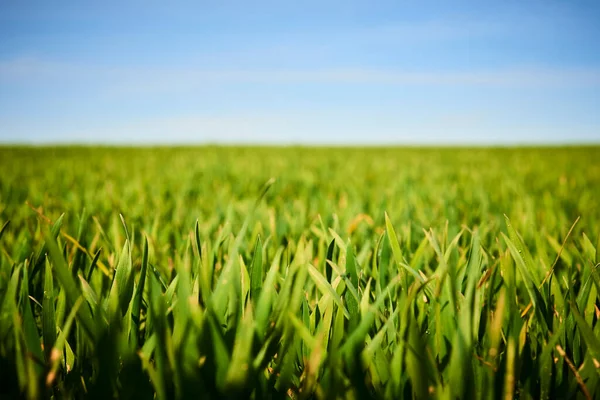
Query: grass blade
[
  {"x": 48, "y": 317},
  {"x": 72, "y": 291},
  {"x": 256, "y": 271}
]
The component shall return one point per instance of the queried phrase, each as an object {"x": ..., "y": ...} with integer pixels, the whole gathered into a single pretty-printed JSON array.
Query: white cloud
[
  {"x": 305, "y": 127},
  {"x": 122, "y": 80}
]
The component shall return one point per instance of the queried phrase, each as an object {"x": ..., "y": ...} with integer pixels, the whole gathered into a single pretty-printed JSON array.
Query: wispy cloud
[
  {"x": 459, "y": 27},
  {"x": 317, "y": 127},
  {"x": 119, "y": 80}
]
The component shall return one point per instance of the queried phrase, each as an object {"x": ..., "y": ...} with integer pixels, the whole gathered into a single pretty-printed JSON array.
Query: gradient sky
[{"x": 337, "y": 72}]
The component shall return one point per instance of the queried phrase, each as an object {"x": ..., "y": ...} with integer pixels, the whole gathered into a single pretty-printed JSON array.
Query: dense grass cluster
[{"x": 299, "y": 273}]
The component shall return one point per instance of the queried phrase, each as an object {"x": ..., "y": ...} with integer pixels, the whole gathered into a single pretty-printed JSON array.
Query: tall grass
[{"x": 354, "y": 273}]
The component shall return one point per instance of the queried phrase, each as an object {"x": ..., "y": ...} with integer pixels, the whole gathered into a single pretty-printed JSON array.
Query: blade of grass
[
  {"x": 256, "y": 271},
  {"x": 326, "y": 288},
  {"x": 58, "y": 348},
  {"x": 48, "y": 317},
  {"x": 72, "y": 291},
  {"x": 4, "y": 226},
  {"x": 137, "y": 297}
]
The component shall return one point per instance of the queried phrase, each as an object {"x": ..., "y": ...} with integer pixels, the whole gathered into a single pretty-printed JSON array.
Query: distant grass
[{"x": 355, "y": 273}]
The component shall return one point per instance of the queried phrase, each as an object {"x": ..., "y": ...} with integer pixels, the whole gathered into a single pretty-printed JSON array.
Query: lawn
[{"x": 299, "y": 272}]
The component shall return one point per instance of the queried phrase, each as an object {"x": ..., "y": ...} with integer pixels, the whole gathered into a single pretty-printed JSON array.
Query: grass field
[{"x": 300, "y": 272}]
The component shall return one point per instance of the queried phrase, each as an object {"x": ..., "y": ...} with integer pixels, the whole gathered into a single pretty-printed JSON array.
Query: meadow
[{"x": 299, "y": 272}]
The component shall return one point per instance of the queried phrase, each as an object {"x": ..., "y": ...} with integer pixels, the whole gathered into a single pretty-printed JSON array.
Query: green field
[{"x": 299, "y": 272}]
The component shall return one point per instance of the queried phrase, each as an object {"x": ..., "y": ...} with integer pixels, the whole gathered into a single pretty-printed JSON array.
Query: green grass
[{"x": 299, "y": 272}]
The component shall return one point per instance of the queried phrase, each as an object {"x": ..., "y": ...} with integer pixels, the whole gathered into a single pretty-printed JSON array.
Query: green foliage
[{"x": 177, "y": 272}]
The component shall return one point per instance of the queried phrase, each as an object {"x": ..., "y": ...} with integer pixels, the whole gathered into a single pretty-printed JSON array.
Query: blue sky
[{"x": 315, "y": 72}]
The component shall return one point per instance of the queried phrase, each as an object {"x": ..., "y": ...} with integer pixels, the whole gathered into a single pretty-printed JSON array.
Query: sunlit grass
[{"x": 299, "y": 272}]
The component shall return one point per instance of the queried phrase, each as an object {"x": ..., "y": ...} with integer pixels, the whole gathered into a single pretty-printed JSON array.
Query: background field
[{"x": 444, "y": 298}]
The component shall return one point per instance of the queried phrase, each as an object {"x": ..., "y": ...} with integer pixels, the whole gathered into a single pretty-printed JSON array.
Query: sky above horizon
[{"x": 334, "y": 72}]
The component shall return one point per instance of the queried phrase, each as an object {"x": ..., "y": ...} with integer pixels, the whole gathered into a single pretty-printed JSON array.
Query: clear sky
[{"x": 335, "y": 72}]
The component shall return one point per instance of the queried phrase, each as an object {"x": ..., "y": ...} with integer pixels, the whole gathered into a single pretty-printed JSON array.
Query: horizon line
[{"x": 255, "y": 144}]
